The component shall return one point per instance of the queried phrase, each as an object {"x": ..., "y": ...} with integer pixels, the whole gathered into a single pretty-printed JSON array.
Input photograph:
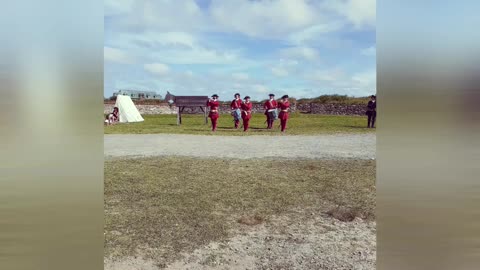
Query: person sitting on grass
[{"x": 113, "y": 117}]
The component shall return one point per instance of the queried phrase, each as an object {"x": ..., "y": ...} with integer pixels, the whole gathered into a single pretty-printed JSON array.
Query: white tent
[{"x": 127, "y": 110}]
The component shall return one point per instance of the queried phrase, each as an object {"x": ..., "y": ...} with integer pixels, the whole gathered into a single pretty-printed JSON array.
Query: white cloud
[
  {"x": 303, "y": 19},
  {"x": 301, "y": 52},
  {"x": 174, "y": 48},
  {"x": 360, "y": 13},
  {"x": 310, "y": 34},
  {"x": 262, "y": 18},
  {"x": 194, "y": 56},
  {"x": 330, "y": 75},
  {"x": 116, "y": 56},
  {"x": 260, "y": 89},
  {"x": 288, "y": 62},
  {"x": 279, "y": 71},
  {"x": 240, "y": 76},
  {"x": 370, "y": 51},
  {"x": 165, "y": 15},
  {"x": 337, "y": 81},
  {"x": 151, "y": 38},
  {"x": 115, "y": 7},
  {"x": 365, "y": 79},
  {"x": 157, "y": 68}
]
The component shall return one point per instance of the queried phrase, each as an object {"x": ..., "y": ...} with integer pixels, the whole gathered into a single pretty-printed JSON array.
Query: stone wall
[
  {"x": 145, "y": 109},
  {"x": 332, "y": 109},
  {"x": 313, "y": 108},
  {"x": 256, "y": 108}
]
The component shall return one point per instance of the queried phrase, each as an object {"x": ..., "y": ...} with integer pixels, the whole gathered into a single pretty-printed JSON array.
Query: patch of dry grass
[
  {"x": 160, "y": 207},
  {"x": 251, "y": 220},
  {"x": 346, "y": 214}
]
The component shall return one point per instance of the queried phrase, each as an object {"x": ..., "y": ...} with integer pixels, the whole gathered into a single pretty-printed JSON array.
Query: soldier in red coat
[
  {"x": 246, "y": 112},
  {"x": 270, "y": 110},
  {"x": 236, "y": 108},
  {"x": 284, "y": 105},
  {"x": 213, "y": 104}
]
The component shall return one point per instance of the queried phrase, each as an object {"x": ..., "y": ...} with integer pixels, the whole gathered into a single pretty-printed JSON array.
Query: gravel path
[{"x": 360, "y": 146}]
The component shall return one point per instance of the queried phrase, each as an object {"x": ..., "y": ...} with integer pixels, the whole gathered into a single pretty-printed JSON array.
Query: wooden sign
[{"x": 191, "y": 101}]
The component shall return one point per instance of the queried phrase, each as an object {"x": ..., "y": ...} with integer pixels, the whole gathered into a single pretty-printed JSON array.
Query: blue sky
[{"x": 303, "y": 48}]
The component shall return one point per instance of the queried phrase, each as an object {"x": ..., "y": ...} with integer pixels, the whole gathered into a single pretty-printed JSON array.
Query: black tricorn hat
[
  {"x": 285, "y": 96},
  {"x": 214, "y": 95},
  {"x": 237, "y": 94},
  {"x": 373, "y": 96},
  {"x": 271, "y": 95},
  {"x": 246, "y": 97}
]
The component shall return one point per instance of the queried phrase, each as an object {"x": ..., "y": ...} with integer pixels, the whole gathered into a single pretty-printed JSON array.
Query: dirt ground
[
  {"x": 300, "y": 238},
  {"x": 292, "y": 242}
]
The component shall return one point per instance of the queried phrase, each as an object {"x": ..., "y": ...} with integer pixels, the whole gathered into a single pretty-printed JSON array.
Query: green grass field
[
  {"x": 298, "y": 124},
  {"x": 162, "y": 207}
]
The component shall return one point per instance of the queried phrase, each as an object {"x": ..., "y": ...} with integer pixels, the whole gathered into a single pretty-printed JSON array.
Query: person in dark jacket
[{"x": 372, "y": 112}]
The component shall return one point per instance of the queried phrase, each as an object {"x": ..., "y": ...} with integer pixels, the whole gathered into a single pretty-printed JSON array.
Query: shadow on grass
[
  {"x": 258, "y": 128},
  {"x": 357, "y": 127},
  {"x": 209, "y": 130},
  {"x": 227, "y": 128}
]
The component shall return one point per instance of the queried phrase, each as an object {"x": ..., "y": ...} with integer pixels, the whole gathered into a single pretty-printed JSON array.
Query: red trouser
[
  {"x": 214, "y": 118},
  {"x": 245, "y": 123},
  {"x": 237, "y": 122},
  {"x": 283, "y": 124},
  {"x": 283, "y": 120},
  {"x": 214, "y": 124}
]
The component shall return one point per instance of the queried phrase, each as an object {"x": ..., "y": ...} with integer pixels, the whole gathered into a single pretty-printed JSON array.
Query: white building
[{"x": 135, "y": 94}]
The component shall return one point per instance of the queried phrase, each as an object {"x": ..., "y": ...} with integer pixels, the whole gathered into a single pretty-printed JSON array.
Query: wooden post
[
  {"x": 206, "y": 117},
  {"x": 178, "y": 116},
  {"x": 181, "y": 114}
]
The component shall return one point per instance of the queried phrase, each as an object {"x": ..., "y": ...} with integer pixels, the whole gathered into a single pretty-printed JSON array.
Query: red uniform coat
[
  {"x": 268, "y": 105},
  {"x": 246, "y": 110},
  {"x": 236, "y": 104},
  {"x": 283, "y": 115},
  {"x": 213, "y": 109}
]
